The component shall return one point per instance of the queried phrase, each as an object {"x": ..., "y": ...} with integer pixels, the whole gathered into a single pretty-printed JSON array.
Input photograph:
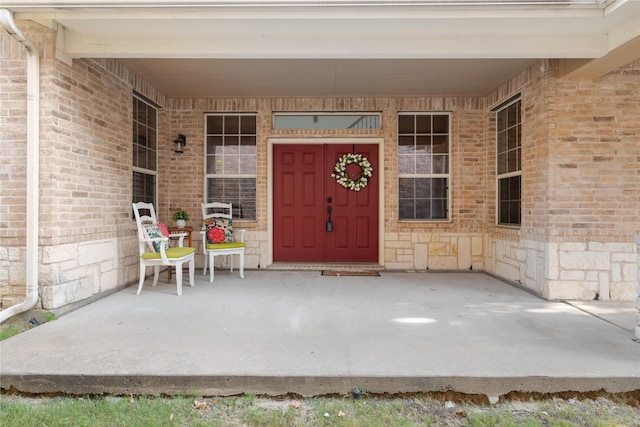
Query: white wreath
[{"x": 340, "y": 171}]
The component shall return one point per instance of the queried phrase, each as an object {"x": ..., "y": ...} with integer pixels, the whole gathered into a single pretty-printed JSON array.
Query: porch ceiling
[{"x": 339, "y": 48}]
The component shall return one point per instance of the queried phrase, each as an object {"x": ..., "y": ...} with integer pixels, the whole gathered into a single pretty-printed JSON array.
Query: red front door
[{"x": 303, "y": 192}]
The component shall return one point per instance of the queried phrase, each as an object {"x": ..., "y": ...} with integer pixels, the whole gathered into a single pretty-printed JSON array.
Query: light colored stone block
[
  {"x": 626, "y": 257},
  {"x": 621, "y": 247},
  {"x": 572, "y": 247},
  {"x": 464, "y": 253},
  {"x": 584, "y": 260},
  {"x": 616, "y": 272},
  {"x": 16, "y": 254},
  {"x": 67, "y": 265},
  {"x": 95, "y": 252},
  {"x": 572, "y": 275},
  {"x": 476, "y": 246},
  {"x": 389, "y": 256},
  {"x": 437, "y": 249},
  {"x": 597, "y": 247},
  {"x": 423, "y": 238},
  {"x": 65, "y": 293},
  {"x": 507, "y": 271},
  {"x": 443, "y": 263},
  {"x": 398, "y": 244},
  {"x": 18, "y": 272},
  {"x": 566, "y": 289},
  {"x": 421, "y": 256},
  {"x": 4, "y": 274},
  {"x": 400, "y": 266},
  {"x": 553, "y": 267},
  {"x": 604, "y": 287},
  {"x": 531, "y": 263},
  {"x": 59, "y": 253},
  {"x": 109, "y": 280},
  {"x": 623, "y": 291},
  {"x": 629, "y": 273},
  {"x": 106, "y": 266},
  {"x": 407, "y": 259}
]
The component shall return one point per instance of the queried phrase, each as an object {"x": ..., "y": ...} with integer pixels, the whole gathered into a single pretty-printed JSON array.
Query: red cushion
[{"x": 163, "y": 229}]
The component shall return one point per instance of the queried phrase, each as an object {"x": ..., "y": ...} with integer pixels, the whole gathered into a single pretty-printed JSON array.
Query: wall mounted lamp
[{"x": 180, "y": 142}]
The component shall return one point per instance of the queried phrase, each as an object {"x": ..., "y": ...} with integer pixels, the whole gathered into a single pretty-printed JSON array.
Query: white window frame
[
  {"x": 208, "y": 176},
  {"x": 317, "y": 119},
  {"x": 508, "y": 174},
  {"x": 431, "y": 175},
  {"x": 141, "y": 170}
]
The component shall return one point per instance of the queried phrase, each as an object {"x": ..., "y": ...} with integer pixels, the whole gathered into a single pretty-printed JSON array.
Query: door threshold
[{"x": 319, "y": 266}]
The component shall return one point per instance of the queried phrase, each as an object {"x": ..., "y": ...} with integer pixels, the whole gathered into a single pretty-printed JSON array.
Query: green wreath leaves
[{"x": 340, "y": 171}]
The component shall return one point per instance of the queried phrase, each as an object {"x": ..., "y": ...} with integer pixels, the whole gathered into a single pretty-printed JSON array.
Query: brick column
[{"x": 638, "y": 290}]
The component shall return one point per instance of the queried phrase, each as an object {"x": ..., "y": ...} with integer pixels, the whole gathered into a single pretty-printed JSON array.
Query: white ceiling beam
[
  {"x": 330, "y": 44},
  {"x": 593, "y": 69},
  {"x": 102, "y": 4}
]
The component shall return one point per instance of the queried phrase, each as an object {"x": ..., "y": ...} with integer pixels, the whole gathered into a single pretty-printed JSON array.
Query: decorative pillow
[
  {"x": 215, "y": 235},
  {"x": 226, "y": 225},
  {"x": 154, "y": 231},
  {"x": 163, "y": 229}
]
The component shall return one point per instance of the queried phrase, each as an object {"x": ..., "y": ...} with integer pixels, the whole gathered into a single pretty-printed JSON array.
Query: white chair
[
  {"x": 218, "y": 216},
  {"x": 153, "y": 242}
]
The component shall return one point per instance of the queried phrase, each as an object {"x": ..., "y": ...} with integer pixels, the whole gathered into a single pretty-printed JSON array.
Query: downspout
[{"x": 33, "y": 165}]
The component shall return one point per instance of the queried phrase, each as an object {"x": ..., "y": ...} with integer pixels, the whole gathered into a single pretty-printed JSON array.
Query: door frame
[{"x": 321, "y": 141}]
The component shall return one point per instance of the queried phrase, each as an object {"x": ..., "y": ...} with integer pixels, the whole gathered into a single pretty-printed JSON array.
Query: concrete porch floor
[{"x": 280, "y": 332}]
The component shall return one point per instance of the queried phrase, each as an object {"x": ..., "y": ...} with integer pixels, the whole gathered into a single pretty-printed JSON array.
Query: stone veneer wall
[{"x": 578, "y": 215}]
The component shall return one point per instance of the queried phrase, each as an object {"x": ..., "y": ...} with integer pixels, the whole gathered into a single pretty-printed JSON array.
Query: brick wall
[
  {"x": 581, "y": 186},
  {"x": 594, "y": 160},
  {"x": 13, "y": 179},
  {"x": 86, "y": 236},
  {"x": 408, "y": 245}
]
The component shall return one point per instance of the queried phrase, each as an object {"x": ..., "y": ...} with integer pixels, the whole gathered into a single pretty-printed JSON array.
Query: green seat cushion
[
  {"x": 230, "y": 245},
  {"x": 171, "y": 253}
]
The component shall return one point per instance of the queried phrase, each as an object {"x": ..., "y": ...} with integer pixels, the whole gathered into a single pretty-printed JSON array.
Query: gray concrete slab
[
  {"x": 622, "y": 314},
  {"x": 279, "y": 332}
]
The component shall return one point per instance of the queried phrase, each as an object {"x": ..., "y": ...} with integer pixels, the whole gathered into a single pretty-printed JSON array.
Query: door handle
[{"x": 329, "y": 223}]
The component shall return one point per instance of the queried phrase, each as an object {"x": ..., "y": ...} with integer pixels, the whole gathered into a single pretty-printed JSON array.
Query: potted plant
[{"x": 181, "y": 218}]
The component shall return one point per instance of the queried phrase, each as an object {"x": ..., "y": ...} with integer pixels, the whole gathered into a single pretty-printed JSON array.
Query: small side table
[{"x": 174, "y": 233}]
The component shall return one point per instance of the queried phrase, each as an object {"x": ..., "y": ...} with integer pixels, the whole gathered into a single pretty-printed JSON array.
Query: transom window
[
  {"x": 423, "y": 166},
  {"x": 509, "y": 169},
  {"x": 326, "y": 121},
  {"x": 145, "y": 151},
  {"x": 231, "y": 162}
]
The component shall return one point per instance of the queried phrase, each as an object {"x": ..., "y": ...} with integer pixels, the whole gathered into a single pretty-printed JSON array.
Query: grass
[
  {"x": 322, "y": 411},
  {"x": 9, "y": 331}
]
